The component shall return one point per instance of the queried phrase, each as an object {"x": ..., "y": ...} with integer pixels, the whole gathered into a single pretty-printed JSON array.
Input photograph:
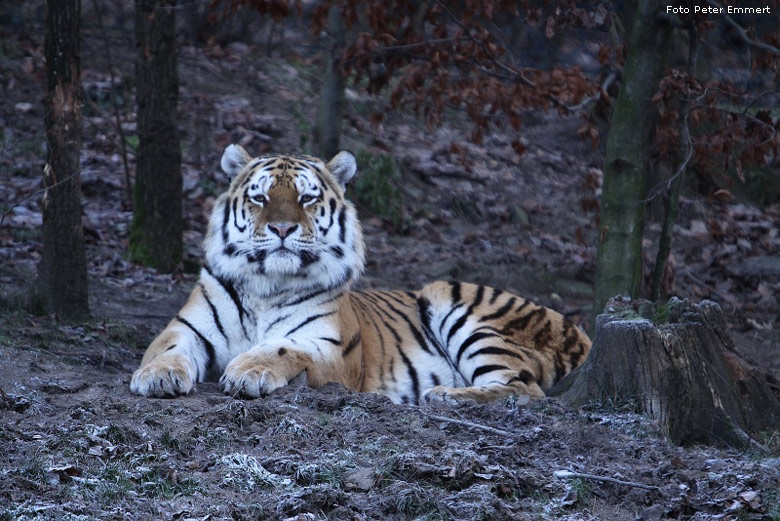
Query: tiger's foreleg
[
  {"x": 185, "y": 352},
  {"x": 268, "y": 367},
  {"x": 171, "y": 365}
]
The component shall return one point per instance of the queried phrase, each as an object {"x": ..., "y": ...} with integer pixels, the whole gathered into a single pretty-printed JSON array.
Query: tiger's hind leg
[
  {"x": 500, "y": 385},
  {"x": 499, "y": 344}
]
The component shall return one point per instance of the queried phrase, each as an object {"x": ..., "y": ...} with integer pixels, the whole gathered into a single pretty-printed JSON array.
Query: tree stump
[{"x": 683, "y": 371}]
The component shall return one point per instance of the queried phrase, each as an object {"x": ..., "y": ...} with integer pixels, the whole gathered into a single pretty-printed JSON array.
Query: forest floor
[{"x": 77, "y": 444}]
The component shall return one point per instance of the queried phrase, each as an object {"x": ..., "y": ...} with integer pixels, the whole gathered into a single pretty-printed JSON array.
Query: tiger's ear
[
  {"x": 343, "y": 167},
  {"x": 234, "y": 159}
]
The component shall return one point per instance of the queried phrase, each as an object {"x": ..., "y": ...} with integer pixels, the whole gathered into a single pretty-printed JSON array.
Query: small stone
[
  {"x": 519, "y": 215},
  {"x": 652, "y": 513},
  {"x": 744, "y": 244},
  {"x": 238, "y": 48},
  {"x": 699, "y": 228},
  {"x": 23, "y": 107}
]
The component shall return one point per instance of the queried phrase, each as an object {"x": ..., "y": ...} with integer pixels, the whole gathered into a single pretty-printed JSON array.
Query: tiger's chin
[{"x": 282, "y": 262}]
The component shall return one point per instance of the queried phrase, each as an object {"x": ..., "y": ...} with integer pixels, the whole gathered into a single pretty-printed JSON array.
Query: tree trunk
[
  {"x": 626, "y": 166},
  {"x": 62, "y": 272},
  {"x": 685, "y": 374},
  {"x": 156, "y": 231},
  {"x": 327, "y": 129},
  {"x": 672, "y": 194}
]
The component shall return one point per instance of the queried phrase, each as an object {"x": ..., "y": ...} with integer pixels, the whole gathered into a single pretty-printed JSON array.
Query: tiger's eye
[
  {"x": 259, "y": 199},
  {"x": 307, "y": 199}
]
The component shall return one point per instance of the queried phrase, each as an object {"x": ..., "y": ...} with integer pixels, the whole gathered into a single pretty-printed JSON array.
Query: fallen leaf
[
  {"x": 751, "y": 498},
  {"x": 362, "y": 478},
  {"x": 66, "y": 473}
]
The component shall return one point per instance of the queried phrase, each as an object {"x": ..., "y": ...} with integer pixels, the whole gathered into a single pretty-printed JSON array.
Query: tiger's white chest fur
[{"x": 307, "y": 320}]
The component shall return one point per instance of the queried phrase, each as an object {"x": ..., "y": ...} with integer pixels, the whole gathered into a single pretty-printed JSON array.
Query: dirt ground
[
  {"x": 85, "y": 448},
  {"x": 77, "y": 445}
]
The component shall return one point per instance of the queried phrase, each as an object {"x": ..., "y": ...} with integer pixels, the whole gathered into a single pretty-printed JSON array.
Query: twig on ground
[
  {"x": 465, "y": 423},
  {"x": 567, "y": 474},
  {"x": 430, "y": 169}
]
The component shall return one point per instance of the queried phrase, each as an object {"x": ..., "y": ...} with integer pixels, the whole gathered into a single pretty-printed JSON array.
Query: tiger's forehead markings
[
  {"x": 315, "y": 166},
  {"x": 282, "y": 175},
  {"x": 290, "y": 171},
  {"x": 258, "y": 181}
]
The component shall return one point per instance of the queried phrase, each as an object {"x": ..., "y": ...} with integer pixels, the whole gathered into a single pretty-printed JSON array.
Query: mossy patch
[{"x": 376, "y": 186}]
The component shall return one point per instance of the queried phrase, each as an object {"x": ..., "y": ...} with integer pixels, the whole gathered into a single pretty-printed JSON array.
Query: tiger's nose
[{"x": 282, "y": 229}]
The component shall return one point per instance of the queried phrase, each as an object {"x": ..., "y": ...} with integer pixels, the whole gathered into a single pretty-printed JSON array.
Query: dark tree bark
[
  {"x": 62, "y": 272},
  {"x": 156, "y": 231},
  {"x": 686, "y": 374},
  {"x": 327, "y": 128},
  {"x": 672, "y": 195},
  {"x": 626, "y": 165}
]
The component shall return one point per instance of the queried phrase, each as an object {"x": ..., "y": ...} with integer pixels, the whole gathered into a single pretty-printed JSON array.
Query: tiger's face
[
  {"x": 283, "y": 200},
  {"x": 285, "y": 220}
]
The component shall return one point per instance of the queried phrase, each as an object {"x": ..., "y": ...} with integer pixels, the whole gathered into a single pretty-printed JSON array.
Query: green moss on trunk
[
  {"x": 626, "y": 166},
  {"x": 156, "y": 230}
]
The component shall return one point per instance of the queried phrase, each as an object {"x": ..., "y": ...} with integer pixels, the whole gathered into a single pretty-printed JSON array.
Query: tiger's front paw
[
  {"x": 246, "y": 376},
  {"x": 164, "y": 376},
  {"x": 267, "y": 368}
]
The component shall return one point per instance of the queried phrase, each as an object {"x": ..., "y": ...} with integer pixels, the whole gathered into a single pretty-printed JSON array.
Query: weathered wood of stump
[{"x": 685, "y": 374}]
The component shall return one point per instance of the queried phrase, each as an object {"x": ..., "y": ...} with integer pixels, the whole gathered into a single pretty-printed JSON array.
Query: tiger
[{"x": 274, "y": 302}]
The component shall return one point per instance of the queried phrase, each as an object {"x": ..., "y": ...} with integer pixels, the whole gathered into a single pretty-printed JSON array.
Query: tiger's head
[{"x": 284, "y": 223}]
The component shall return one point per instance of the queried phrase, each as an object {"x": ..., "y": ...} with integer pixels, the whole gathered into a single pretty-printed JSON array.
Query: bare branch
[
  {"x": 686, "y": 137},
  {"x": 567, "y": 474},
  {"x": 694, "y": 104},
  {"x": 115, "y": 104},
  {"x": 511, "y": 70},
  {"x": 14, "y": 204},
  {"x": 35, "y": 179},
  {"x": 671, "y": 20},
  {"x": 415, "y": 45},
  {"x": 485, "y": 428},
  {"x": 747, "y": 39},
  {"x": 611, "y": 77}
]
